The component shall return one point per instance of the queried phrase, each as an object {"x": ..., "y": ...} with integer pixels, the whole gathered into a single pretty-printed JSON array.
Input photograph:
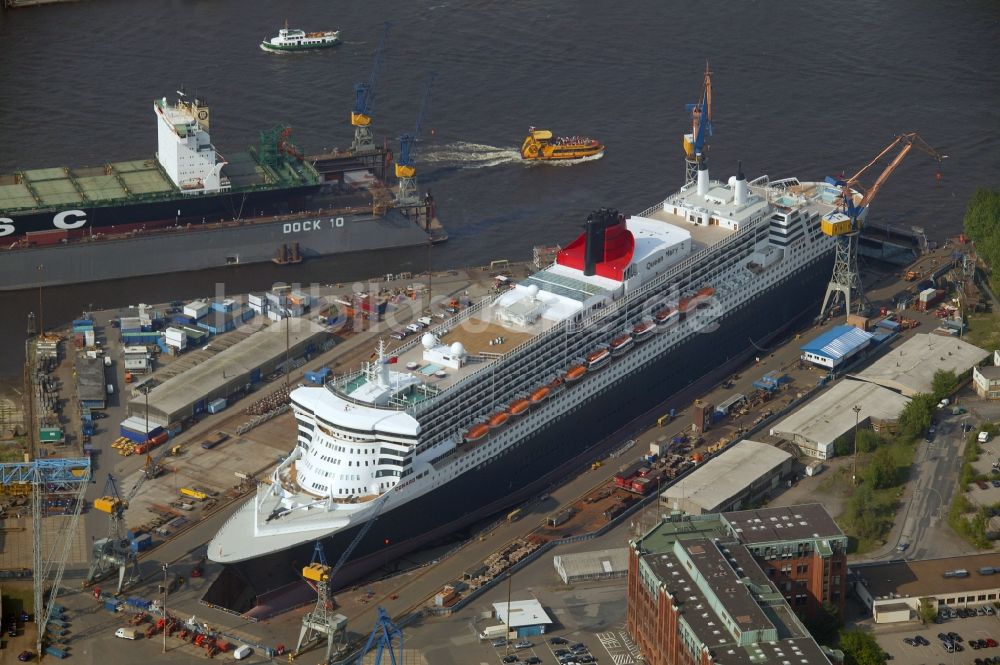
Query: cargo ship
[
  {"x": 290, "y": 40},
  {"x": 540, "y": 145},
  {"x": 515, "y": 392},
  {"x": 188, "y": 208}
]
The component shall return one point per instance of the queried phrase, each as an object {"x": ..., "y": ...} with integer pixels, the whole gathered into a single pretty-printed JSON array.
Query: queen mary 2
[{"x": 514, "y": 392}]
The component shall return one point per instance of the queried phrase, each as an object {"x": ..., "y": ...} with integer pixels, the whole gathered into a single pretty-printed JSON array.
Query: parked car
[
  {"x": 921, "y": 640},
  {"x": 25, "y": 656},
  {"x": 955, "y": 637},
  {"x": 990, "y": 642},
  {"x": 534, "y": 660},
  {"x": 509, "y": 659},
  {"x": 558, "y": 640},
  {"x": 523, "y": 644},
  {"x": 909, "y": 640}
]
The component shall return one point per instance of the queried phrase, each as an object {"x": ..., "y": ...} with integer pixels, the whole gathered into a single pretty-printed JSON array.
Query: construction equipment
[
  {"x": 405, "y": 171},
  {"x": 844, "y": 223},
  {"x": 701, "y": 129},
  {"x": 48, "y": 477},
  {"x": 151, "y": 468},
  {"x": 318, "y": 574},
  {"x": 364, "y": 101},
  {"x": 386, "y": 637}
]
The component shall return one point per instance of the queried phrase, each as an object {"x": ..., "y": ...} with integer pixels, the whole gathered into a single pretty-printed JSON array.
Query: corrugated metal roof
[{"x": 839, "y": 342}]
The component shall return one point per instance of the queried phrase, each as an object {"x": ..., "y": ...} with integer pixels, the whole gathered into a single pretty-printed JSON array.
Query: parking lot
[
  {"x": 981, "y": 627},
  {"x": 612, "y": 646}
]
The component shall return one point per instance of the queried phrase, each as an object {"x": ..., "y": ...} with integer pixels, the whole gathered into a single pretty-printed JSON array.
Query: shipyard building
[
  {"x": 815, "y": 427},
  {"x": 229, "y": 372},
  {"x": 739, "y": 476},
  {"x": 586, "y": 566},
  {"x": 836, "y": 346},
  {"x": 909, "y": 369},
  {"x": 734, "y": 587}
]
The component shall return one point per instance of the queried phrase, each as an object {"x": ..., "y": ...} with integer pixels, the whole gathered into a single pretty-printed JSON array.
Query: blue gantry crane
[
  {"x": 364, "y": 101},
  {"x": 406, "y": 172},
  {"x": 701, "y": 128},
  {"x": 385, "y": 637},
  {"x": 318, "y": 574}
]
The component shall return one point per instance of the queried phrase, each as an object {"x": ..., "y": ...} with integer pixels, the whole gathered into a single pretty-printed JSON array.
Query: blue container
[
  {"x": 131, "y": 435},
  {"x": 217, "y": 405},
  {"x": 111, "y": 605},
  {"x": 142, "y": 543},
  {"x": 56, "y": 653},
  {"x": 318, "y": 377},
  {"x": 255, "y": 375},
  {"x": 199, "y": 406}
]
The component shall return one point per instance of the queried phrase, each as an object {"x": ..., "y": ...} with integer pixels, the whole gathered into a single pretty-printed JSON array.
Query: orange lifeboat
[
  {"x": 598, "y": 358},
  {"x": 621, "y": 344},
  {"x": 665, "y": 315},
  {"x": 642, "y": 331},
  {"x": 498, "y": 419},
  {"x": 539, "y": 395},
  {"x": 519, "y": 408},
  {"x": 575, "y": 373},
  {"x": 476, "y": 432},
  {"x": 706, "y": 292}
]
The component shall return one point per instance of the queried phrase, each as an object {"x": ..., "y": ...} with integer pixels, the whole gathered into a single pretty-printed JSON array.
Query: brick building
[{"x": 731, "y": 587}]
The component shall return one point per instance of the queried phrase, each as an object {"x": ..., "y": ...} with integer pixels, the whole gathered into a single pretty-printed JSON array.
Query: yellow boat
[{"x": 540, "y": 145}]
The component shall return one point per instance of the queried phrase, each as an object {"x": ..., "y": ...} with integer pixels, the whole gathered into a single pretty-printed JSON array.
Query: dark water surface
[{"x": 800, "y": 89}]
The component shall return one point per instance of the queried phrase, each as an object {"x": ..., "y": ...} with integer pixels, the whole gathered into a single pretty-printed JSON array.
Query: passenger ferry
[
  {"x": 293, "y": 39},
  {"x": 539, "y": 145}
]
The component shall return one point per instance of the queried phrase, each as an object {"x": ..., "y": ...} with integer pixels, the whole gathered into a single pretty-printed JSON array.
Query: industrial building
[
  {"x": 525, "y": 618},
  {"x": 815, "y": 427},
  {"x": 893, "y": 591},
  {"x": 986, "y": 380},
  {"x": 909, "y": 369},
  {"x": 730, "y": 588},
  {"x": 584, "y": 566},
  {"x": 836, "y": 346},
  {"x": 230, "y": 371},
  {"x": 91, "y": 389},
  {"x": 739, "y": 476}
]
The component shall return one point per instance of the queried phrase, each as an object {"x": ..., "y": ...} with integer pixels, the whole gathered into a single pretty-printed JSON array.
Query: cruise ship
[
  {"x": 191, "y": 208},
  {"x": 515, "y": 392}
]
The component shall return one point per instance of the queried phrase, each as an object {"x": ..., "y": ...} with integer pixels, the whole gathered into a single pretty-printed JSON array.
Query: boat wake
[
  {"x": 465, "y": 155},
  {"x": 472, "y": 155}
]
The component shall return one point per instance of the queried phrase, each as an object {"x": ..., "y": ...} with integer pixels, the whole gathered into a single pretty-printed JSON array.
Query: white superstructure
[
  {"x": 184, "y": 147},
  {"x": 475, "y": 386}
]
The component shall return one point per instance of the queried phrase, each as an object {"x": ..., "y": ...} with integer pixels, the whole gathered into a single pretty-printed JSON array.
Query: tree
[
  {"x": 825, "y": 625},
  {"x": 868, "y": 440},
  {"x": 860, "y": 648},
  {"x": 865, "y": 513},
  {"x": 928, "y": 610},
  {"x": 881, "y": 472},
  {"x": 982, "y": 224},
  {"x": 916, "y": 416},
  {"x": 943, "y": 384}
]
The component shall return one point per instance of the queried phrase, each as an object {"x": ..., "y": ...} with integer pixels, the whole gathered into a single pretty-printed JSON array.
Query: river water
[{"x": 800, "y": 89}]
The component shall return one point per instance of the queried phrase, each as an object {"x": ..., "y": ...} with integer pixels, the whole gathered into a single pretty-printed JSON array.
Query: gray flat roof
[
  {"x": 924, "y": 578},
  {"x": 600, "y": 562},
  {"x": 910, "y": 367},
  {"x": 90, "y": 385},
  {"x": 764, "y": 525},
  {"x": 831, "y": 414},
  {"x": 179, "y": 392},
  {"x": 727, "y": 475}
]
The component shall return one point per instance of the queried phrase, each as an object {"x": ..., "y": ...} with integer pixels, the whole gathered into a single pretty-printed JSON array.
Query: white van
[
  {"x": 242, "y": 652},
  {"x": 128, "y": 633},
  {"x": 984, "y": 437},
  {"x": 111, "y": 389},
  {"x": 426, "y": 321}
]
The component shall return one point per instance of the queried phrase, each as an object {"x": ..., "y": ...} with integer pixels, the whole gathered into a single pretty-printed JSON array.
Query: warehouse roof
[
  {"x": 831, "y": 415},
  {"x": 926, "y": 578},
  {"x": 800, "y": 522},
  {"x": 177, "y": 393},
  {"x": 910, "y": 368},
  {"x": 601, "y": 562},
  {"x": 727, "y": 475},
  {"x": 838, "y": 342},
  {"x": 90, "y": 386},
  {"x": 522, "y": 613}
]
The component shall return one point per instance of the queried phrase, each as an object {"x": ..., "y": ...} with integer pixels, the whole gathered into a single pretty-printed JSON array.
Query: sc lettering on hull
[
  {"x": 66, "y": 220},
  {"x": 310, "y": 225}
]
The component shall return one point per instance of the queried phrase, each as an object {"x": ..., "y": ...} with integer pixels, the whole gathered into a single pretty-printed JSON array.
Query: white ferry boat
[
  {"x": 299, "y": 40},
  {"x": 514, "y": 392}
]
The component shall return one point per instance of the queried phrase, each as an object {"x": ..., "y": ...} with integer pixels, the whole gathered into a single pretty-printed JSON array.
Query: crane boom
[
  {"x": 364, "y": 93},
  {"x": 701, "y": 118}
]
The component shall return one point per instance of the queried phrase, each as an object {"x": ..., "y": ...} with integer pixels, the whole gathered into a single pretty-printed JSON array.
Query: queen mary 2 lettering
[
  {"x": 632, "y": 311},
  {"x": 241, "y": 208}
]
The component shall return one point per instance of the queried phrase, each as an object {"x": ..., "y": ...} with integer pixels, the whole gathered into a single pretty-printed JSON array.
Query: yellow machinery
[
  {"x": 364, "y": 100},
  {"x": 316, "y": 572},
  {"x": 194, "y": 494},
  {"x": 108, "y": 504}
]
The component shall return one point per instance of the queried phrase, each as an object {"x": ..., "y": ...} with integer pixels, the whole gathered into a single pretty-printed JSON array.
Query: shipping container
[
  {"x": 318, "y": 376},
  {"x": 214, "y": 440},
  {"x": 224, "y": 306},
  {"x": 888, "y": 324},
  {"x": 217, "y": 405},
  {"x": 196, "y": 309},
  {"x": 142, "y": 543}
]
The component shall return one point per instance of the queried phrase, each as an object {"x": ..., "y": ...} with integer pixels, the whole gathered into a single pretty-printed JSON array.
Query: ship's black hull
[
  {"x": 548, "y": 455},
  {"x": 182, "y": 210}
]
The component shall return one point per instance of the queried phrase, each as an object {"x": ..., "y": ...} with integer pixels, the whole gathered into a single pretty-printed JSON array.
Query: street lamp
[
  {"x": 857, "y": 415},
  {"x": 41, "y": 317}
]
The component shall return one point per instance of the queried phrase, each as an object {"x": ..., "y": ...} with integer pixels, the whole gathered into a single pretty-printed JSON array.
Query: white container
[
  {"x": 254, "y": 299},
  {"x": 88, "y": 337},
  {"x": 196, "y": 309}
]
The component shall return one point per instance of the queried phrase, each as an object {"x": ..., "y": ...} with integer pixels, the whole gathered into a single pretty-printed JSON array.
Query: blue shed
[{"x": 835, "y": 346}]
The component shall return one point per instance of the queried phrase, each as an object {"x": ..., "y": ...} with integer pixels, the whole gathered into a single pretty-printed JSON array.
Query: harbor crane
[
  {"x": 364, "y": 101},
  {"x": 115, "y": 551},
  {"x": 385, "y": 637},
  {"x": 844, "y": 224},
  {"x": 318, "y": 574},
  {"x": 701, "y": 129},
  {"x": 406, "y": 172},
  {"x": 45, "y": 479}
]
